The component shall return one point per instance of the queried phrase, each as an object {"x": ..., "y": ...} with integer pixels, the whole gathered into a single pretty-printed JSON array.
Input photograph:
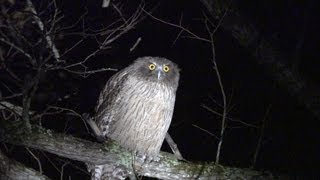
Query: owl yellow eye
[
  {"x": 166, "y": 68},
  {"x": 152, "y": 67}
]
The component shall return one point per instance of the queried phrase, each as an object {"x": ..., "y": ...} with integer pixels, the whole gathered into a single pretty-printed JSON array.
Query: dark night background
[{"x": 290, "y": 142}]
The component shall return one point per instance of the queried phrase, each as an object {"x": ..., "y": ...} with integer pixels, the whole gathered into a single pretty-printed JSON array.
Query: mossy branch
[{"x": 168, "y": 167}]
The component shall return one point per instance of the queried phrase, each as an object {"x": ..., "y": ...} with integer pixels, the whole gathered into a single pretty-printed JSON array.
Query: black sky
[{"x": 291, "y": 139}]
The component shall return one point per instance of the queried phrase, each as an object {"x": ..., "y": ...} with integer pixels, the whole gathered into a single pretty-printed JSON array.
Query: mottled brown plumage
[{"x": 136, "y": 105}]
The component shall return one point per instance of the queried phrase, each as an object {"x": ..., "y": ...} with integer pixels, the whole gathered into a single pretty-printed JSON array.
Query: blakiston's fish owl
[{"x": 136, "y": 105}]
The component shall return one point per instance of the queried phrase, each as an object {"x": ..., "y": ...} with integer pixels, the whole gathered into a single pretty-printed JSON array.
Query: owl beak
[{"x": 159, "y": 74}]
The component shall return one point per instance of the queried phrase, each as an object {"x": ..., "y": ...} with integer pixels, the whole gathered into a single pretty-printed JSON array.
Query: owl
[{"x": 136, "y": 105}]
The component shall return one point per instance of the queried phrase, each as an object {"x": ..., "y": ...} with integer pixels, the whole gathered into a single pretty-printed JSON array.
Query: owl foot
[
  {"x": 108, "y": 171},
  {"x": 143, "y": 158}
]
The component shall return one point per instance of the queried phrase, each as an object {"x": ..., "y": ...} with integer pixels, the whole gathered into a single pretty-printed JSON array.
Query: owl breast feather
[{"x": 142, "y": 116}]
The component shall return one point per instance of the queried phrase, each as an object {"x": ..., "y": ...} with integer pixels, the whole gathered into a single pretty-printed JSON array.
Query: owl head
[{"x": 156, "y": 69}]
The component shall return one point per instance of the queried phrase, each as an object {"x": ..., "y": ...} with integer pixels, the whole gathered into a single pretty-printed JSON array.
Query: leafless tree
[{"x": 33, "y": 36}]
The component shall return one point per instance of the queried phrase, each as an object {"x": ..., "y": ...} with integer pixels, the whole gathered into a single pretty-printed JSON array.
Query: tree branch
[
  {"x": 50, "y": 42},
  {"x": 168, "y": 167},
  {"x": 10, "y": 169}
]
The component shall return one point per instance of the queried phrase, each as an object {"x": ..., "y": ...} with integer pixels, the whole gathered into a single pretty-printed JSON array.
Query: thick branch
[
  {"x": 10, "y": 169},
  {"x": 77, "y": 149}
]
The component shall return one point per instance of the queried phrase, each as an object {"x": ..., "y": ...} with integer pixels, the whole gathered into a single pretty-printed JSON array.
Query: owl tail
[{"x": 107, "y": 172}]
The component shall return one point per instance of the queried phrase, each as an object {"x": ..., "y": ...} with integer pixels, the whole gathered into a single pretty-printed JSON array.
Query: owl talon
[{"x": 143, "y": 158}]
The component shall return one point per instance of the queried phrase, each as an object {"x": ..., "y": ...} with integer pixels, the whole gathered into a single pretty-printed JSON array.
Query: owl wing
[{"x": 106, "y": 105}]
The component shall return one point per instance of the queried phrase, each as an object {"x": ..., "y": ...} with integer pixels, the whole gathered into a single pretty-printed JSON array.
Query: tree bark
[
  {"x": 168, "y": 167},
  {"x": 10, "y": 169}
]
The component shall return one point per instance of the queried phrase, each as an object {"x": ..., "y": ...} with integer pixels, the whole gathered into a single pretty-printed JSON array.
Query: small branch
[
  {"x": 224, "y": 98},
  {"x": 37, "y": 159},
  {"x": 228, "y": 118},
  {"x": 263, "y": 123},
  {"x": 177, "y": 26},
  {"x": 62, "y": 169},
  {"x": 213, "y": 135},
  {"x": 135, "y": 44},
  {"x": 14, "y": 95},
  {"x": 173, "y": 147},
  {"x": 86, "y": 73},
  {"x": 41, "y": 27},
  {"x": 72, "y": 47},
  {"x": 109, "y": 37},
  {"x": 16, "y": 109},
  {"x": 17, "y": 48}
]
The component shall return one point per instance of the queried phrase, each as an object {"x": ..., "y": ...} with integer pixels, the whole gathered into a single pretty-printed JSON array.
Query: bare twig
[
  {"x": 228, "y": 118},
  {"x": 173, "y": 147},
  {"x": 51, "y": 162},
  {"x": 54, "y": 19},
  {"x": 17, "y": 48},
  {"x": 37, "y": 159},
  {"x": 41, "y": 27},
  {"x": 210, "y": 40},
  {"x": 61, "y": 110},
  {"x": 263, "y": 124},
  {"x": 177, "y": 26},
  {"x": 72, "y": 47},
  {"x": 9, "y": 97},
  {"x": 62, "y": 169},
  {"x": 109, "y": 37},
  {"x": 135, "y": 44},
  {"x": 86, "y": 73},
  {"x": 181, "y": 31},
  {"x": 224, "y": 98},
  {"x": 213, "y": 135}
]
